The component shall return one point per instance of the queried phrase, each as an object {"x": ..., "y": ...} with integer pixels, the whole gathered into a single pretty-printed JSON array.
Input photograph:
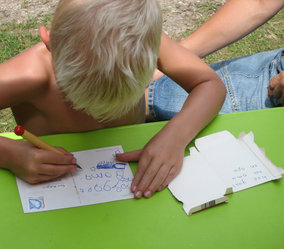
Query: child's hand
[
  {"x": 276, "y": 87},
  {"x": 159, "y": 162},
  {"x": 35, "y": 165}
]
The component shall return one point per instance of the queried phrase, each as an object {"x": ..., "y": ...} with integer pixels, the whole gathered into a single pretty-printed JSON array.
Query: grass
[
  {"x": 267, "y": 37},
  {"x": 16, "y": 37},
  {"x": 25, "y": 4}
]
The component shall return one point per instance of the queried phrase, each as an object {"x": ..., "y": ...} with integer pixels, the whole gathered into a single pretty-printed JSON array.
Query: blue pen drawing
[
  {"x": 122, "y": 182},
  {"x": 253, "y": 174},
  {"x": 99, "y": 175},
  {"x": 54, "y": 186},
  {"x": 239, "y": 169},
  {"x": 107, "y": 181},
  {"x": 110, "y": 165},
  {"x": 36, "y": 203},
  {"x": 260, "y": 178}
]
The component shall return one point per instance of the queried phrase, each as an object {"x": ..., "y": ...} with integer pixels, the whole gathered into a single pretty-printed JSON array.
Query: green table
[{"x": 253, "y": 218}]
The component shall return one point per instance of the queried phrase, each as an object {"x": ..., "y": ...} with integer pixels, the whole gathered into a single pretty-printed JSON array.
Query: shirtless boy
[{"x": 91, "y": 72}]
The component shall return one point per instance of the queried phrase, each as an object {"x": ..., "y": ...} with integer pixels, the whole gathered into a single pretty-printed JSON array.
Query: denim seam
[
  {"x": 244, "y": 74},
  {"x": 274, "y": 63},
  {"x": 151, "y": 99},
  {"x": 230, "y": 90}
]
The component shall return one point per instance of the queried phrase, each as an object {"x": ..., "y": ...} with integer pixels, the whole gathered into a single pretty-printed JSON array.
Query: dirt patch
[{"x": 179, "y": 16}]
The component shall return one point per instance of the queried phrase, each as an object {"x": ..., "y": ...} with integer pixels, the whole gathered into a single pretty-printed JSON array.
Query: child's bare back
[{"x": 39, "y": 105}]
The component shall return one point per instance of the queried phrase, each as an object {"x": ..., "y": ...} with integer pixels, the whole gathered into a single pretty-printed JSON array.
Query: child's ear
[{"x": 44, "y": 35}]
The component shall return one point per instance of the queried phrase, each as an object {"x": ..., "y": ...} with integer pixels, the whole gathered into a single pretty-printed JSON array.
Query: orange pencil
[{"x": 20, "y": 131}]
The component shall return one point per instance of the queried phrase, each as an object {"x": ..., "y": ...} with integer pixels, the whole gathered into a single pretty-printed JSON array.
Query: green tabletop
[{"x": 253, "y": 218}]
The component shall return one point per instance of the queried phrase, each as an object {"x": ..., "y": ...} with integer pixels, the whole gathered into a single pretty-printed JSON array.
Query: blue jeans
[{"x": 246, "y": 80}]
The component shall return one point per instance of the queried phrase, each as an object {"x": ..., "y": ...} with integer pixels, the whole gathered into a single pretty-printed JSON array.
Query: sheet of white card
[
  {"x": 101, "y": 179},
  {"x": 220, "y": 162},
  {"x": 197, "y": 185},
  {"x": 238, "y": 162}
]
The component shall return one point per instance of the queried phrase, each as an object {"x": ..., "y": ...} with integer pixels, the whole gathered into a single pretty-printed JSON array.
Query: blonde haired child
[
  {"x": 90, "y": 73},
  {"x": 105, "y": 52}
]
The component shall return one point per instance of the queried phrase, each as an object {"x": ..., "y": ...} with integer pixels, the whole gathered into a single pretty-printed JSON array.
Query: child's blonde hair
[{"x": 105, "y": 52}]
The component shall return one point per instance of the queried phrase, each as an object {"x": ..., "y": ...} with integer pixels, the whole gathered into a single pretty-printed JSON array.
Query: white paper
[
  {"x": 197, "y": 185},
  {"x": 221, "y": 162},
  {"x": 101, "y": 179},
  {"x": 238, "y": 162}
]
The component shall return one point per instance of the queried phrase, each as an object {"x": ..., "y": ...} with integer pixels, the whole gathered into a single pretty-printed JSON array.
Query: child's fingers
[
  {"x": 50, "y": 157},
  {"x": 64, "y": 151},
  {"x": 42, "y": 178},
  {"x": 147, "y": 178},
  {"x": 142, "y": 165},
  {"x": 141, "y": 168},
  {"x": 45, "y": 172},
  {"x": 56, "y": 170},
  {"x": 45, "y": 165},
  {"x": 157, "y": 181},
  {"x": 131, "y": 156},
  {"x": 172, "y": 174}
]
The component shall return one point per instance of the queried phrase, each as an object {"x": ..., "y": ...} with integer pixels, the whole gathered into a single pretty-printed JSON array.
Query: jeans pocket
[{"x": 247, "y": 80}]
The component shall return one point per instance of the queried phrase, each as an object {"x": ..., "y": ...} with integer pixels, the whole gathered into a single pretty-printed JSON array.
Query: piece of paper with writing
[
  {"x": 218, "y": 164},
  {"x": 101, "y": 179}
]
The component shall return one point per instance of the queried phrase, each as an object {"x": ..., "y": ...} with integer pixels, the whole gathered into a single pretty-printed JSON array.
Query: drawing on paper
[
  {"x": 36, "y": 203},
  {"x": 101, "y": 179}
]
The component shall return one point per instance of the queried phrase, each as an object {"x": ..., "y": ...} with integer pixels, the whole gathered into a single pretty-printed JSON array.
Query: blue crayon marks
[
  {"x": 110, "y": 165},
  {"x": 36, "y": 203}
]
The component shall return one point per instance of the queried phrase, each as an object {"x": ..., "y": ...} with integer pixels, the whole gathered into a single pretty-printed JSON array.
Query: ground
[{"x": 179, "y": 16}]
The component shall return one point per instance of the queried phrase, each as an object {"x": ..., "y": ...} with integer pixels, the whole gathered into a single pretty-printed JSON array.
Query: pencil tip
[{"x": 78, "y": 166}]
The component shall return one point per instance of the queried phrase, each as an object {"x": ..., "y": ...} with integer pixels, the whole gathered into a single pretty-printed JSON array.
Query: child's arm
[
  {"x": 21, "y": 80},
  {"x": 161, "y": 159}
]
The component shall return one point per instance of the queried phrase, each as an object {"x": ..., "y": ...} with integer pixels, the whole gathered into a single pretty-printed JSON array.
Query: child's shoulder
[
  {"x": 25, "y": 74},
  {"x": 35, "y": 62}
]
